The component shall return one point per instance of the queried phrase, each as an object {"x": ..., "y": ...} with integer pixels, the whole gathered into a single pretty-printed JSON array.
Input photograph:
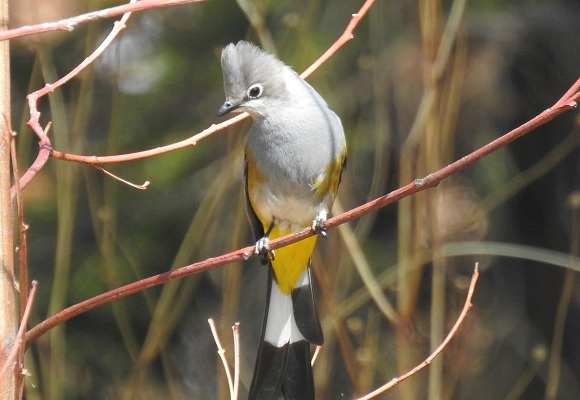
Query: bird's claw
[
  {"x": 264, "y": 251},
  {"x": 318, "y": 226}
]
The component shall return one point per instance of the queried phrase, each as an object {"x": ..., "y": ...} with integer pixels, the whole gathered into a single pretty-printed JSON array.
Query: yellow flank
[
  {"x": 254, "y": 177},
  {"x": 328, "y": 182},
  {"x": 291, "y": 261}
]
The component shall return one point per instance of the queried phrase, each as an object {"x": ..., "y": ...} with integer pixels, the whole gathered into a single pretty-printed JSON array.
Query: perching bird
[{"x": 294, "y": 157}]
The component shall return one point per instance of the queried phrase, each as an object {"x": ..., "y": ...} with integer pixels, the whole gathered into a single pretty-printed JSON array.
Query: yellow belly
[{"x": 291, "y": 261}]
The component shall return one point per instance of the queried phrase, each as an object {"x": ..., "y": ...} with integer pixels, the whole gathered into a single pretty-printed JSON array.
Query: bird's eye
[{"x": 255, "y": 91}]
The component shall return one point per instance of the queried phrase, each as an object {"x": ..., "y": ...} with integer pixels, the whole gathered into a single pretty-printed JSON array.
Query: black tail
[{"x": 283, "y": 370}]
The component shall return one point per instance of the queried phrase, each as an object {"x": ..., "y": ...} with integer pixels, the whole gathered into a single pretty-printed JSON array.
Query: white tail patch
[{"x": 281, "y": 326}]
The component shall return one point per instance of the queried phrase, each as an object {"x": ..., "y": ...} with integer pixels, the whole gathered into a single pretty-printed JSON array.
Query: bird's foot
[
  {"x": 264, "y": 251},
  {"x": 318, "y": 225}
]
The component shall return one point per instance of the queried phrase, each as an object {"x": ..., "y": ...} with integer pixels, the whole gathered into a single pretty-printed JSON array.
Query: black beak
[{"x": 227, "y": 107}]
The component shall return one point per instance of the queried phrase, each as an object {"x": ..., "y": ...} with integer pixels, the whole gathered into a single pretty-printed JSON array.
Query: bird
[{"x": 294, "y": 157}]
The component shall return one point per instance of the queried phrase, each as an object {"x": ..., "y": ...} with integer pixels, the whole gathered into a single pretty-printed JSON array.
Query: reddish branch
[
  {"x": 429, "y": 181},
  {"x": 34, "y": 121},
  {"x": 466, "y": 307},
  {"x": 79, "y": 308},
  {"x": 18, "y": 344},
  {"x": 41, "y": 159},
  {"x": 345, "y": 37},
  {"x": 70, "y": 24},
  {"x": 191, "y": 141}
]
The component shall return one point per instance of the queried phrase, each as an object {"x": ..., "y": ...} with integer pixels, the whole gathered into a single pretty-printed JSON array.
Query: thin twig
[
  {"x": 191, "y": 141},
  {"x": 134, "y": 287},
  {"x": 346, "y": 36},
  {"x": 236, "y": 332},
  {"x": 34, "y": 121},
  {"x": 70, "y": 24},
  {"x": 21, "y": 330},
  {"x": 570, "y": 96},
  {"x": 467, "y": 306},
  {"x": 315, "y": 355},
  {"x": 222, "y": 354},
  {"x": 41, "y": 159},
  {"x": 143, "y": 186}
]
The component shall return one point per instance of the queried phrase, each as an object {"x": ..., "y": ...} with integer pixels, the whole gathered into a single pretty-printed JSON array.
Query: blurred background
[{"x": 422, "y": 84}]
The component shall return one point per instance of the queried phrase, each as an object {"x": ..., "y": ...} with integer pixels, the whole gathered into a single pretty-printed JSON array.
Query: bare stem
[
  {"x": 236, "y": 332},
  {"x": 467, "y": 306},
  {"x": 222, "y": 354}
]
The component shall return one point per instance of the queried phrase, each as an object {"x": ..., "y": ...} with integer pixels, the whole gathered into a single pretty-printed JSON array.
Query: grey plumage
[{"x": 295, "y": 152}]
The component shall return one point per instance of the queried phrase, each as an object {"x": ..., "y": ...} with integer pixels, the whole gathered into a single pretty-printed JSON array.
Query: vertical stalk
[
  {"x": 67, "y": 178},
  {"x": 419, "y": 156},
  {"x": 428, "y": 147},
  {"x": 8, "y": 323},
  {"x": 431, "y": 160},
  {"x": 554, "y": 366}
]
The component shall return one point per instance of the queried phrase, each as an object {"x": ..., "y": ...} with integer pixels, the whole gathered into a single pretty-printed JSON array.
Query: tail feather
[
  {"x": 298, "y": 380},
  {"x": 268, "y": 373},
  {"x": 283, "y": 373},
  {"x": 283, "y": 370},
  {"x": 305, "y": 314}
]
